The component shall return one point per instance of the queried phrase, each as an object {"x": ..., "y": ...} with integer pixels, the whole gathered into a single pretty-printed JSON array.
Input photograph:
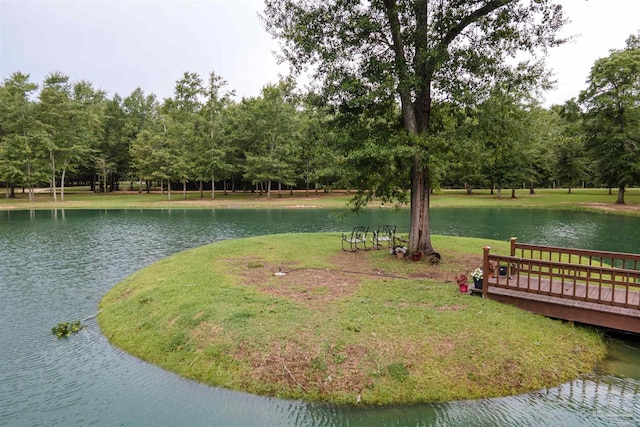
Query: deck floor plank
[{"x": 619, "y": 300}]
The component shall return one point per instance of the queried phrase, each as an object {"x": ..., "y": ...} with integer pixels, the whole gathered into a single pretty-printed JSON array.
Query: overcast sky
[{"x": 120, "y": 45}]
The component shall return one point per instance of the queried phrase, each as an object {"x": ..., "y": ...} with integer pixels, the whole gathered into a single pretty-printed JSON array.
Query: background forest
[{"x": 62, "y": 132}]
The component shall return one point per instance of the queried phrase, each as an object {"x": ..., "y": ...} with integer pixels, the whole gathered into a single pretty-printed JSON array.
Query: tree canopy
[
  {"x": 349, "y": 135},
  {"x": 420, "y": 52},
  {"x": 612, "y": 121}
]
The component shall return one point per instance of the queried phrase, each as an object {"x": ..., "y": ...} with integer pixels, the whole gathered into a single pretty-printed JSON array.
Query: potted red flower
[{"x": 462, "y": 283}]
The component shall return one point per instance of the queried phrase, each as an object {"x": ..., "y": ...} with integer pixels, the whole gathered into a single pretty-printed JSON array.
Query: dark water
[{"x": 56, "y": 265}]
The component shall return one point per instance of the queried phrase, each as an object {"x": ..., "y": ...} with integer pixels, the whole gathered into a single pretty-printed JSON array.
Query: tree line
[{"x": 64, "y": 131}]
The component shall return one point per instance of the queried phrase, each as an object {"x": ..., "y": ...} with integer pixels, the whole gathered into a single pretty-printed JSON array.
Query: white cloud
[
  {"x": 598, "y": 26},
  {"x": 119, "y": 45}
]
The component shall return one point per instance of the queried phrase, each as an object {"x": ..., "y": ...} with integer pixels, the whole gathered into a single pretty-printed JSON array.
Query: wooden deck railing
[
  {"x": 590, "y": 276},
  {"x": 575, "y": 256}
]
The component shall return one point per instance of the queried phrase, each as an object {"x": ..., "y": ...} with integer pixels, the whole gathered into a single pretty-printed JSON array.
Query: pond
[{"x": 57, "y": 265}]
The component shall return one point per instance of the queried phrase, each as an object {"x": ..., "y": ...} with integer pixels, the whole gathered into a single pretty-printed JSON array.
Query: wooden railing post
[
  {"x": 513, "y": 246},
  {"x": 485, "y": 270}
]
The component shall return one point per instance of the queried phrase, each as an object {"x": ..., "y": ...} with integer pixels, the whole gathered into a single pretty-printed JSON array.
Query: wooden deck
[
  {"x": 558, "y": 302},
  {"x": 592, "y": 294}
]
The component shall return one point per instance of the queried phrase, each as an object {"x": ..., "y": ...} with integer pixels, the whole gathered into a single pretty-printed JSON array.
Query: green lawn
[
  {"x": 124, "y": 200},
  {"x": 581, "y": 199},
  {"x": 340, "y": 327},
  {"x": 544, "y": 198}
]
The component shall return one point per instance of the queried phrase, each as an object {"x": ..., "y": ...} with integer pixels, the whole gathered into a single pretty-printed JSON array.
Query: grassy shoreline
[
  {"x": 595, "y": 200},
  {"x": 344, "y": 328}
]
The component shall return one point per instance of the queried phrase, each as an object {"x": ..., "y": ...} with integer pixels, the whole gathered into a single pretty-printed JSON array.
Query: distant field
[{"x": 81, "y": 198}]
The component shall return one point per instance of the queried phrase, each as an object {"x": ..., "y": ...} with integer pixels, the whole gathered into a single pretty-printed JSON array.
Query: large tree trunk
[
  {"x": 417, "y": 115},
  {"x": 620, "y": 200},
  {"x": 184, "y": 190},
  {"x": 416, "y": 118},
  {"x": 420, "y": 233}
]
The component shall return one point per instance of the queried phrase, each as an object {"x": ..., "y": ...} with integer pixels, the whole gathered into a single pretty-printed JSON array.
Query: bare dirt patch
[
  {"x": 444, "y": 347},
  {"x": 310, "y": 286},
  {"x": 314, "y": 287},
  {"x": 405, "y": 269},
  {"x": 451, "y": 308},
  {"x": 446, "y": 271},
  {"x": 612, "y": 207},
  {"x": 302, "y": 365}
]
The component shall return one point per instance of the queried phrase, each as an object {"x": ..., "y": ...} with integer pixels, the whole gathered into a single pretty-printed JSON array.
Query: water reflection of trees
[
  {"x": 612, "y": 400},
  {"x": 595, "y": 401}
]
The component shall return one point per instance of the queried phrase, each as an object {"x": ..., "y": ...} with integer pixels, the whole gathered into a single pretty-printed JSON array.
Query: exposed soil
[
  {"x": 611, "y": 207},
  {"x": 294, "y": 364},
  {"x": 314, "y": 287}
]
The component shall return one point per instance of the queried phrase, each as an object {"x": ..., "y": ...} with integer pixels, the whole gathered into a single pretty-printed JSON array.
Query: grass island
[{"x": 346, "y": 328}]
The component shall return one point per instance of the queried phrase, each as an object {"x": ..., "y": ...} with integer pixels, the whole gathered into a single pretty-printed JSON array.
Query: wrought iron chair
[
  {"x": 356, "y": 240},
  {"x": 384, "y": 235}
]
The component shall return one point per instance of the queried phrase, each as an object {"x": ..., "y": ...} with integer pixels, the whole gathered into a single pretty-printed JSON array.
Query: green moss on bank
[{"x": 338, "y": 327}]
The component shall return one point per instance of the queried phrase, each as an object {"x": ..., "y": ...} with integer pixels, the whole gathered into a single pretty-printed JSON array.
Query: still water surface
[{"x": 56, "y": 265}]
